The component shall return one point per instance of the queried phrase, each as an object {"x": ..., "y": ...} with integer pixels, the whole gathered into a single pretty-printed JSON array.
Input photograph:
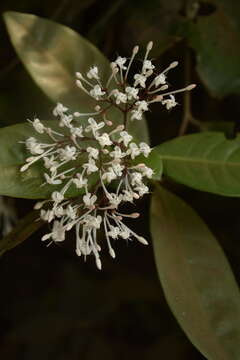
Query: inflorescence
[{"x": 97, "y": 158}]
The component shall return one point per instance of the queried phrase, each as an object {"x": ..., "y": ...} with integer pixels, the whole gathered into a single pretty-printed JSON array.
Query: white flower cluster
[
  {"x": 96, "y": 159},
  {"x": 148, "y": 86},
  {"x": 71, "y": 159}
]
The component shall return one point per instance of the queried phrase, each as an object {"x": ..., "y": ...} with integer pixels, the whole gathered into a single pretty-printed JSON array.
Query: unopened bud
[
  {"x": 108, "y": 122},
  {"x": 164, "y": 87},
  {"x": 190, "y": 87},
  {"x": 39, "y": 205},
  {"x": 135, "y": 49},
  {"x": 79, "y": 84},
  {"x": 173, "y": 65},
  {"x": 134, "y": 215},
  {"x": 24, "y": 167},
  {"x": 98, "y": 264},
  {"x": 149, "y": 46},
  {"x": 97, "y": 108},
  {"x": 112, "y": 253},
  {"x": 79, "y": 75},
  {"x": 142, "y": 240}
]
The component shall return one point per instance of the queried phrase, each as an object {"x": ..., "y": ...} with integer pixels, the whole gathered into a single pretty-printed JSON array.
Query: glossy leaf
[
  {"x": 21, "y": 232},
  {"x": 214, "y": 39},
  {"x": 207, "y": 161},
  {"x": 196, "y": 277},
  {"x": 53, "y": 53}
]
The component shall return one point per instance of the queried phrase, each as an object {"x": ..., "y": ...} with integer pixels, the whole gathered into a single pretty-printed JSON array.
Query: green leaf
[
  {"x": 206, "y": 161},
  {"x": 227, "y": 127},
  {"x": 215, "y": 38},
  {"x": 24, "y": 228},
  {"x": 53, "y": 53},
  {"x": 196, "y": 277}
]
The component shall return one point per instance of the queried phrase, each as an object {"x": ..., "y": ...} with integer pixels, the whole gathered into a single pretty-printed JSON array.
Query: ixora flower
[{"x": 96, "y": 158}]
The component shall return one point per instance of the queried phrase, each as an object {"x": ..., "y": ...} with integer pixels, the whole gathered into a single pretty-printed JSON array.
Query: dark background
[{"x": 52, "y": 304}]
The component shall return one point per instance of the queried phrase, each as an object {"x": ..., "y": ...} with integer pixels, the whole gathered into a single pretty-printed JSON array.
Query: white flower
[
  {"x": 93, "y": 73},
  {"x": 33, "y": 146},
  {"x": 89, "y": 200},
  {"x": 68, "y": 153},
  {"x": 128, "y": 195},
  {"x": 59, "y": 109},
  {"x": 117, "y": 153},
  {"x": 132, "y": 93},
  {"x": 47, "y": 215},
  {"x": 97, "y": 92},
  {"x": 136, "y": 114},
  {"x": 146, "y": 171},
  {"x": 120, "y": 96},
  {"x": 142, "y": 105},
  {"x": 120, "y": 61},
  {"x": 136, "y": 178},
  {"x": 59, "y": 211},
  {"x": 125, "y": 137},
  {"x": 94, "y": 126},
  {"x": 66, "y": 120},
  {"x": 160, "y": 80},
  {"x": 114, "y": 199},
  {"x": 50, "y": 163},
  {"x": 170, "y": 103},
  {"x": 90, "y": 166},
  {"x": 144, "y": 149},
  {"x": 57, "y": 197},
  {"x": 140, "y": 80},
  {"x": 71, "y": 212},
  {"x": 79, "y": 181},
  {"x": 51, "y": 179},
  {"x": 57, "y": 234},
  {"x": 109, "y": 175},
  {"x": 37, "y": 125},
  {"x": 104, "y": 140},
  {"x": 147, "y": 65},
  {"x": 141, "y": 189},
  {"x": 117, "y": 168},
  {"x": 133, "y": 150},
  {"x": 92, "y": 222},
  {"x": 114, "y": 232},
  {"x": 125, "y": 234},
  {"x": 77, "y": 131},
  {"x": 93, "y": 152}
]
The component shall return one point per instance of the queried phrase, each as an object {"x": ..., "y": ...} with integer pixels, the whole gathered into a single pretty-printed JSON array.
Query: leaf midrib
[{"x": 198, "y": 160}]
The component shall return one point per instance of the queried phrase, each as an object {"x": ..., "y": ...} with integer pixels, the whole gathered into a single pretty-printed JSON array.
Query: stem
[{"x": 187, "y": 114}]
